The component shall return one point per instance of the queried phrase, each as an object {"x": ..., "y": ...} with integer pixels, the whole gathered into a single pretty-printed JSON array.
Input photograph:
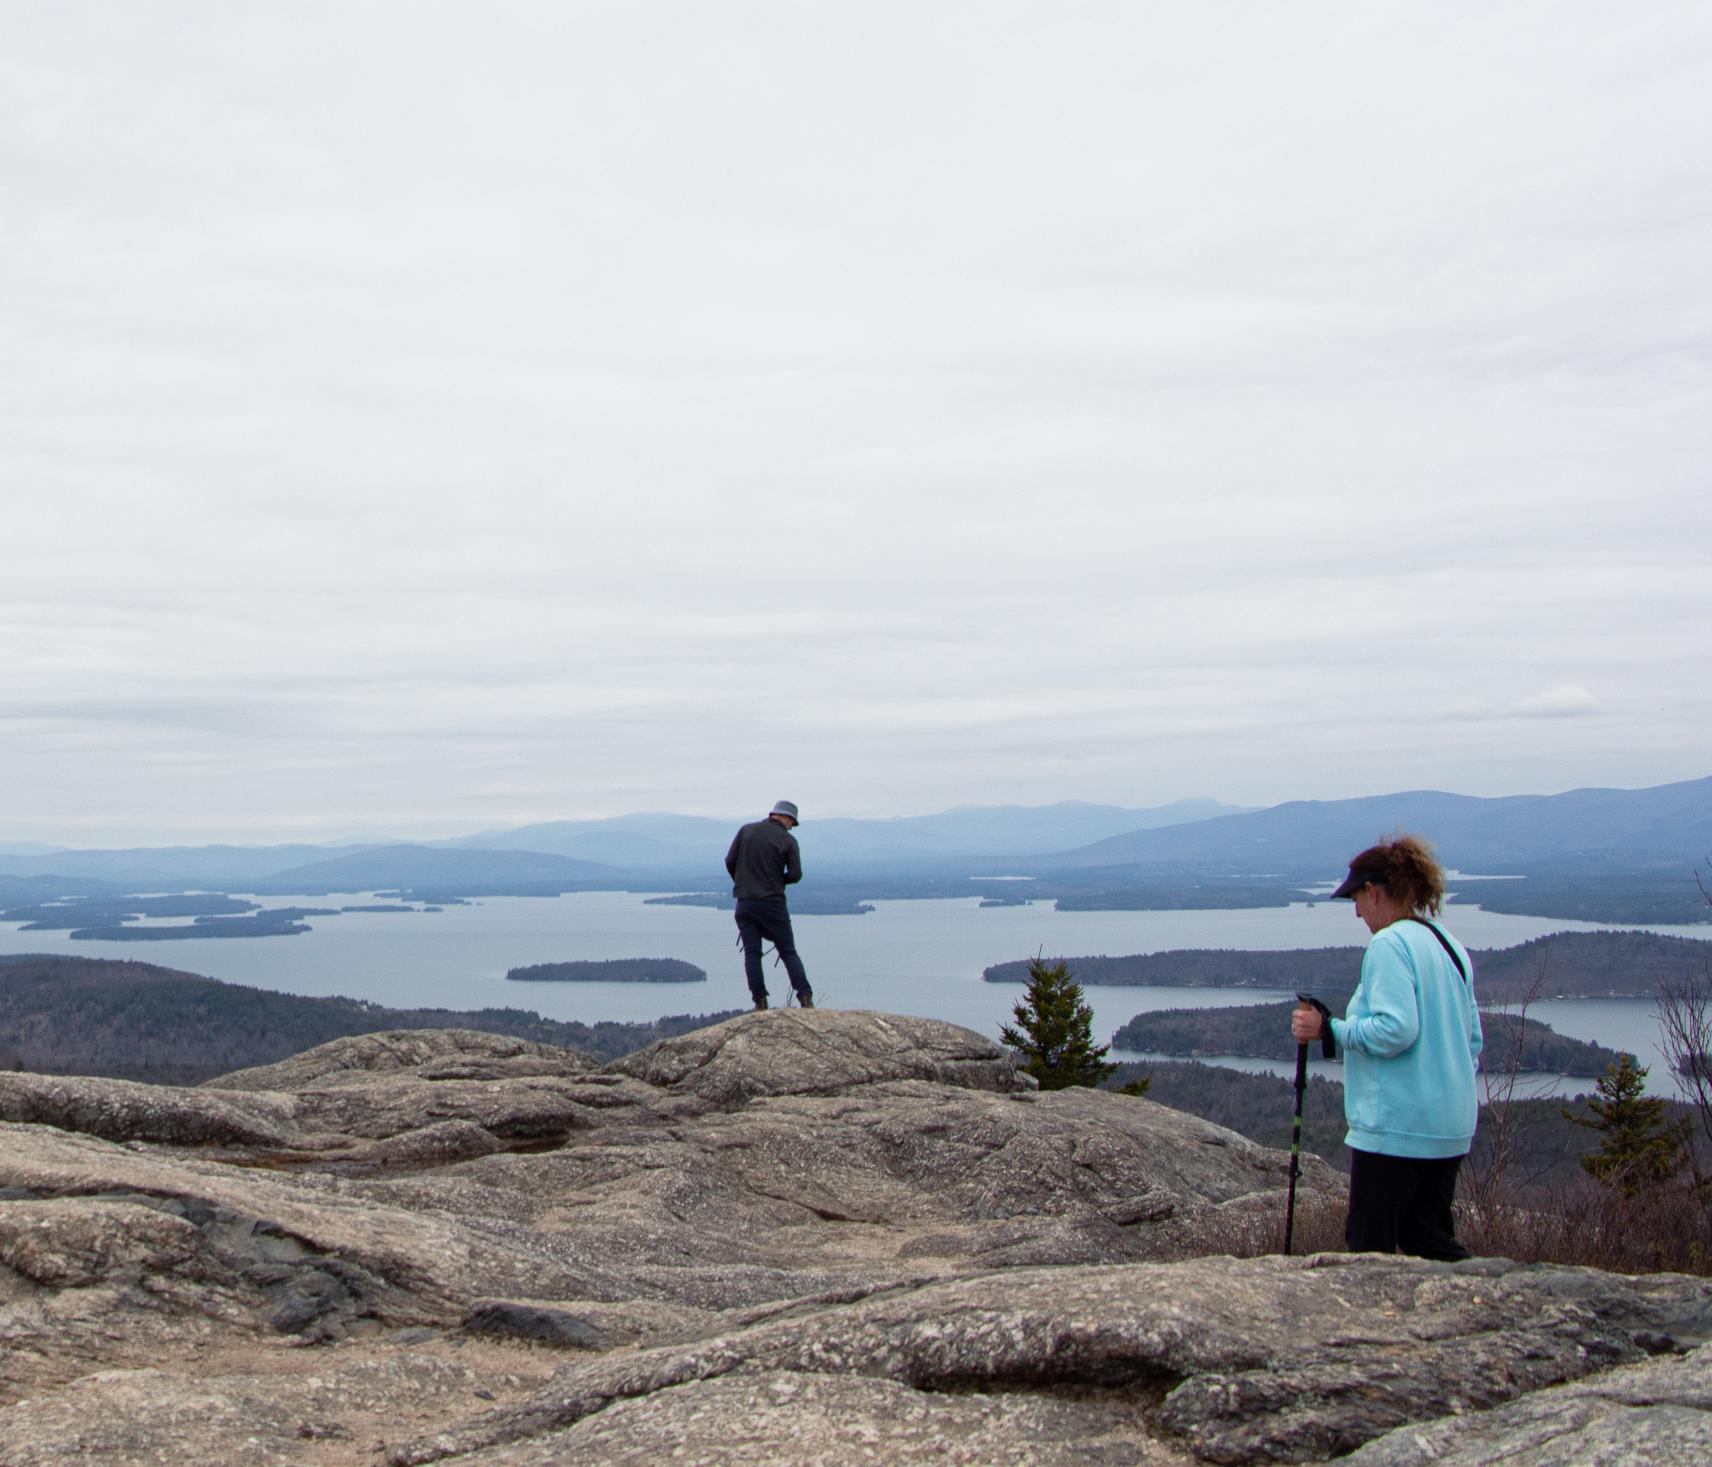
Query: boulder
[
  {"x": 1221, "y": 1360},
  {"x": 439, "y": 1143},
  {"x": 542, "y": 1324},
  {"x": 820, "y": 1052},
  {"x": 122, "y": 1110},
  {"x": 345, "y": 1111},
  {"x": 398, "y": 1082},
  {"x": 1659, "y": 1411},
  {"x": 791, "y": 1419},
  {"x": 529, "y": 1109},
  {"x": 257, "y": 1406},
  {"x": 434, "y": 1054},
  {"x": 266, "y": 1227},
  {"x": 75, "y": 1244},
  {"x": 797, "y": 1237}
]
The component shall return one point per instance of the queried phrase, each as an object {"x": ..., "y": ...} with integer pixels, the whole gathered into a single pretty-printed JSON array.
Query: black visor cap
[{"x": 1358, "y": 877}]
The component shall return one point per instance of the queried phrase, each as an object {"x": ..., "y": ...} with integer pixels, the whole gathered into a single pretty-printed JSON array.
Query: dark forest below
[{"x": 136, "y": 1021}]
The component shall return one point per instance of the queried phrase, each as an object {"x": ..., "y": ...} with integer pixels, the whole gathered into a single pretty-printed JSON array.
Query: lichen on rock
[{"x": 796, "y": 1236}]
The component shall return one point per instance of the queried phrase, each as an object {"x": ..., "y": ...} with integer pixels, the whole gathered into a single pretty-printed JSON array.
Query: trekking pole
[
  {"x": 1328, "y": 1047},
  {"x": 1296, "y": 1145}
]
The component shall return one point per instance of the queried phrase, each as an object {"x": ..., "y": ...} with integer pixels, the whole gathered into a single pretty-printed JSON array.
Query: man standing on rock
[{"x": 763, "y": 860}]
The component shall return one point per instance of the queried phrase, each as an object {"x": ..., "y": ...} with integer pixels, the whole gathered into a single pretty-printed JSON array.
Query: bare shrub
[
  {"x": 1685, "y": 1017},
  {"x": 1488, "y": 1186},
  {"x": 1580, "y": 1222},
  {"x": 1662, "y": 1229}
]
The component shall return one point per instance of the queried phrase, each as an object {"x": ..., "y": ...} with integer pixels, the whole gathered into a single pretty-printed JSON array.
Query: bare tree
[
  {"x": 1685, "y": 1022},
  {"x": 1488, "y": 1186}
]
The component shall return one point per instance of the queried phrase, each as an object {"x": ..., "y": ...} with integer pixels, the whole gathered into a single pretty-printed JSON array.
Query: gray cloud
[
  {"x": 409, "y": 415},
  {"x": 1568, "y": 701}
]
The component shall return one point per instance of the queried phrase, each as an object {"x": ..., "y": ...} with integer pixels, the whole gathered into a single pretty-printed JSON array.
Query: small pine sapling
[
  {"x": 1639, "y": 1148},
  {"x": 1054, "y": 1031}
]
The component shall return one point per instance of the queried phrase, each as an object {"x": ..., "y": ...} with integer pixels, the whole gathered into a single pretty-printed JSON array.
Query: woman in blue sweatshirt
[{"x": 1411, "y": 1038}]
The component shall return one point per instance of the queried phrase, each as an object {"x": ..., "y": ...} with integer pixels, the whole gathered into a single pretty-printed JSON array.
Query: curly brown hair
[{"x": 1406, "y": 867}]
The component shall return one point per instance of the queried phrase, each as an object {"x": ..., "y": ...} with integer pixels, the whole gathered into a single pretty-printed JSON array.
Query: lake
[{"x": 911, "y": 957}]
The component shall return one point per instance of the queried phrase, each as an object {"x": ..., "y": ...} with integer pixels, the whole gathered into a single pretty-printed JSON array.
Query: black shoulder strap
[{"x": 1444, "y": 942}]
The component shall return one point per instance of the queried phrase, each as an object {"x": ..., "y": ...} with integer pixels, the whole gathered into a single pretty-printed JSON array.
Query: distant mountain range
[
  {"x": 978, "y": 833},
  {"x": 592, "y": 852},
  {"x": 169, "y": 868},
  {"x": 422, "y": 868},
  {"x": 1067, "y": 848},
  {"x": 1581, "y": 831}
]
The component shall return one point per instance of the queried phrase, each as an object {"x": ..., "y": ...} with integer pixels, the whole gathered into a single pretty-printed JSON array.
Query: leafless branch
[
  {"x": 1685, "y": 1022},
  {"x": 1488, "y": 1185}
]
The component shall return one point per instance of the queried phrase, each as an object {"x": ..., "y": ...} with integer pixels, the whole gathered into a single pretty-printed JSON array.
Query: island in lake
[
  {"x": 611, "y": 970},
  {"x": 213, "y": 914},
  {"x": 1262, "y": 1031},
  {"x": 1562, "y": 965},
  {"x": 274, "y": 922}
]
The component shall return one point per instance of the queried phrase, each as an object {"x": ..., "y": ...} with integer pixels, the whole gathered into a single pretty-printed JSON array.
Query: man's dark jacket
[{"x": 763, "y": 860}]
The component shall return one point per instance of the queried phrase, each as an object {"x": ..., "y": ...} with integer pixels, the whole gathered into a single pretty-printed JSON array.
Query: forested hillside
[
  {"x": 95, "y": 1016},
  {"x": 1563, "y": 965},
  {"x": 1617, "y": 898},
  {"x": 1328, "y": 968},
  {"x": 1262, "y": 1031}
]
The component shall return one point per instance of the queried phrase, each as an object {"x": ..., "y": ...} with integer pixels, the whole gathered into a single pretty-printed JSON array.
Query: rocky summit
[{"x": 797, "y": 1237}]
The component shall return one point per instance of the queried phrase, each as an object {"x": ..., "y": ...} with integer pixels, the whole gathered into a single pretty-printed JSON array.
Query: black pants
[
  {"x": 1402, "y": 1204},
  {"x": 768, "y": 920}
]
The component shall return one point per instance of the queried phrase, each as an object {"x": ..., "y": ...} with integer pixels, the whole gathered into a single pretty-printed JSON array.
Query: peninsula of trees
[
  {"x": 1262, "y": 1031},
  {"x": 612, "y": 970},
  {"x": 97, "y": 918},
  {"x": 1563, "y": 965}
]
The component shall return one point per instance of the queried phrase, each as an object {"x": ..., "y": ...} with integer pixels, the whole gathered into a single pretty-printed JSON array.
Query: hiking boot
[
  {"x": 760, "y": 1004},
  {"x": 805, "y": 1000}
]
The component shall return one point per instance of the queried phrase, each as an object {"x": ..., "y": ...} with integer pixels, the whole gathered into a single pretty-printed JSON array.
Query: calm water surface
[{"x": 911, "y": 957}]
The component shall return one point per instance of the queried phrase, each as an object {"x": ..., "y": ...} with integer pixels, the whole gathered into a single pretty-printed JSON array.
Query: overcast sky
[{"x": 421, "y": 417}]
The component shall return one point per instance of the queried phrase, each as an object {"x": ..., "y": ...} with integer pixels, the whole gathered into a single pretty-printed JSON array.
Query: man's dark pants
[
  {"x": 770, "y": 921},
  {"x": 1402, "y": 1204}
]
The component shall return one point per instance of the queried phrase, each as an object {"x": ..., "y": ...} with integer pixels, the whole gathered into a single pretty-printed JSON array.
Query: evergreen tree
[
  {"x": 1640, "y": 1148},
  {"x": 1054, "y": 1031}
]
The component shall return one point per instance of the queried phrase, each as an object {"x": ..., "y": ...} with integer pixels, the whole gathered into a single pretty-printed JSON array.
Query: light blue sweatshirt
[{"x": 1410, "y": 1038}]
